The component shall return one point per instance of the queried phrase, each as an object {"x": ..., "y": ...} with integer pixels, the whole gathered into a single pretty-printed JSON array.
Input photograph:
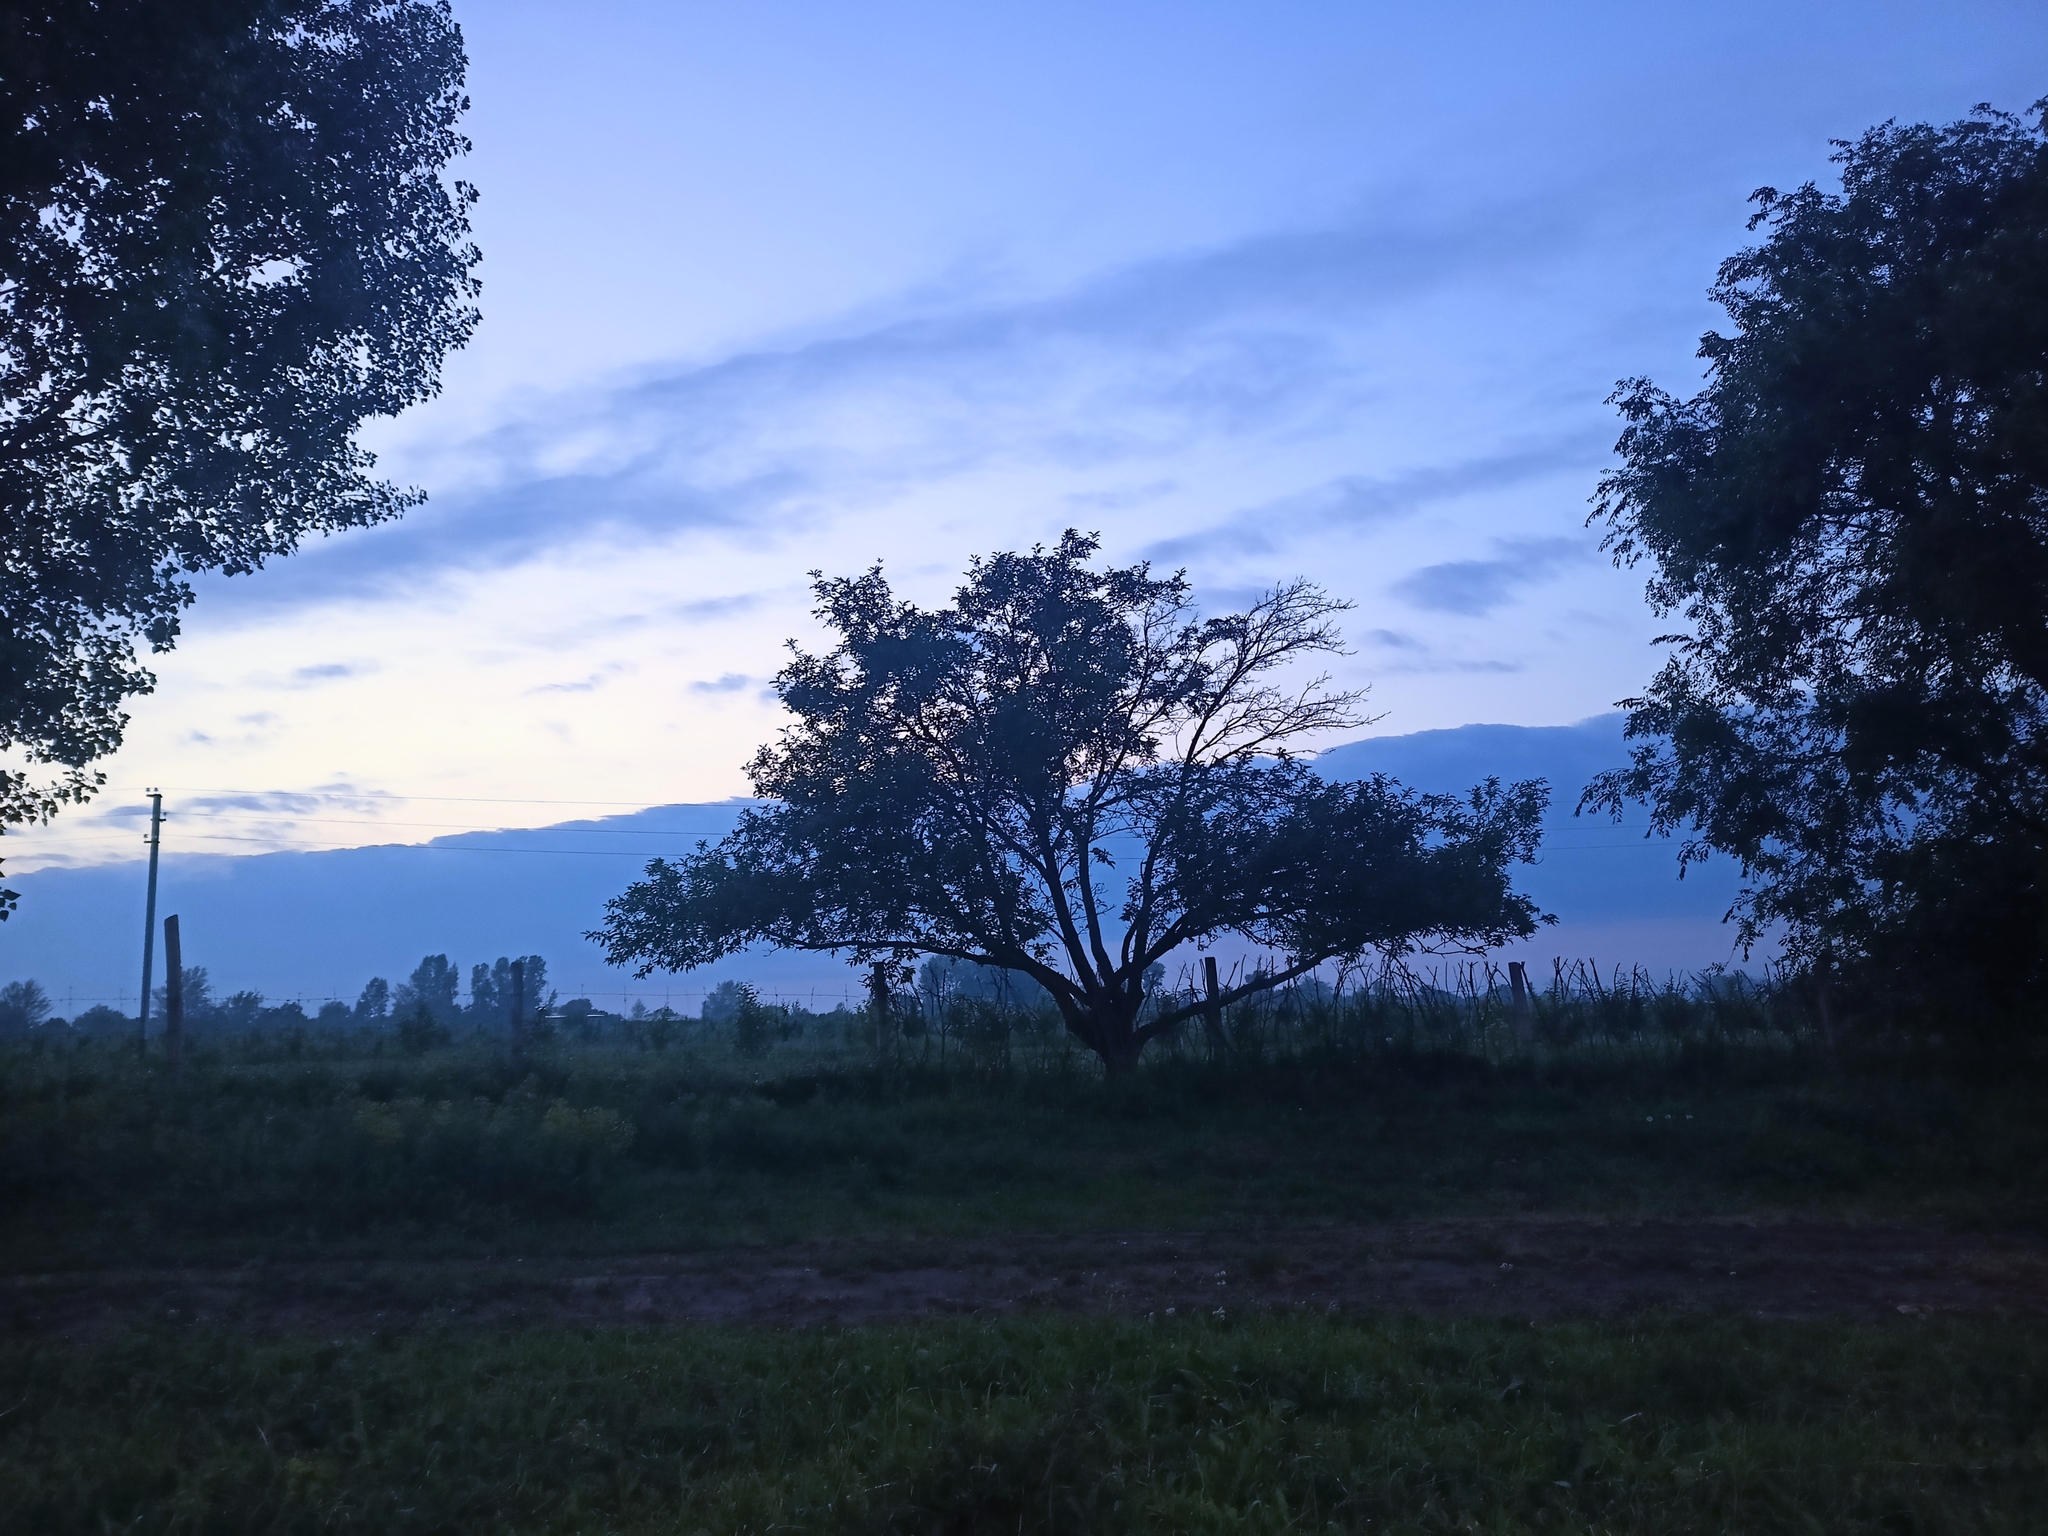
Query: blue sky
[{"x": 1258, "y": 290}]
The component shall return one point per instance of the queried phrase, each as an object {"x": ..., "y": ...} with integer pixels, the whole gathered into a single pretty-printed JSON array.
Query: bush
[
  {"x": 753, "y": 1025},
  {"x": 419, "y": 1032}
]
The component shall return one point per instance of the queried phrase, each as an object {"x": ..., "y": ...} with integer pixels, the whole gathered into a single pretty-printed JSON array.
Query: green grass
[
  {"x": 1260, "y": 1423},
  {"x": 599, "y": 1148}
]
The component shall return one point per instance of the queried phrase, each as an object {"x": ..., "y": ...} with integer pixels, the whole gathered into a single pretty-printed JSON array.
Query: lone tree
[
  {"x": 1068, "y": 774},
  {"x": 1852, "y": 517},
  {"x": 225, "y": 241}
]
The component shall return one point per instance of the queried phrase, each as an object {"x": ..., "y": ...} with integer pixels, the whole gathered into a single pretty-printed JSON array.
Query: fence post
[
  {"x": 174, "y": 993},
  {"x": 1522, "y": 1010},
  {"x": 1212, "y": 1014}
]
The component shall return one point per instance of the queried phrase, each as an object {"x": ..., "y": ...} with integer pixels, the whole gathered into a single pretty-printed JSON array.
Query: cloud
[
  {"x": 328, "y": 672},
  {"x": 731, "y": 682},
  {"x": 1358, "y": 501},
  {"x": 254, "y": 800},
  {"x": 1477, "y": 587},
  {"x": 589, "y": 684},
  {"x": 1392, "y": 640},
  {"x": 717, "y": 607},
  {"x": 1411, "y": 668},
  {"x": 1254, "y": 337}
]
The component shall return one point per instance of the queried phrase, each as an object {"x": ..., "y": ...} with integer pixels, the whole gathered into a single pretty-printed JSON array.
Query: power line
[{"x": 385, "y": 794}]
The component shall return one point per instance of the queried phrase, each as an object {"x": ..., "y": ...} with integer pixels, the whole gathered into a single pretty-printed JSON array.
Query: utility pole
[{"x": 156, "y": 837}]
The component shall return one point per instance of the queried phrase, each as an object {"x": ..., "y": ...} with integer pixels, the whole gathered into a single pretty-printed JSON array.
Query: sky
[{"x": 1334, "y": 290}]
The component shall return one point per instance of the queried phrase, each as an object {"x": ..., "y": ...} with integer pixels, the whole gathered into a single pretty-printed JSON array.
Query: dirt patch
[{"x": 1535, "y": 1269}]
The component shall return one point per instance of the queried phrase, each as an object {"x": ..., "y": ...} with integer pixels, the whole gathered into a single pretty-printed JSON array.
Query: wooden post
[
  {"x": 174, "y": 993},
  {"x": 1523, "y": 1009},
  {"x": 518, "y": 1007},
  {"x": 1212, "y": 1015}
]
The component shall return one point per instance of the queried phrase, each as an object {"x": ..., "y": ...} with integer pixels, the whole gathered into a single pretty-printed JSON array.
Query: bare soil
[{"x": 1538, "y": 1269}]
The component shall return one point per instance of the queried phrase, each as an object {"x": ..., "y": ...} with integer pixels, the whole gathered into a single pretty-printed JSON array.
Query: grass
[
  {"x": 367, "y": 1152},
  {"x": 1259, "y": 1423},
  {"x": 1634, "y": 1102}
]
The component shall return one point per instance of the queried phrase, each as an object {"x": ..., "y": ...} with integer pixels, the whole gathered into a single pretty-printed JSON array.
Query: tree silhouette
[
  {"x": 1853, "y": 519},
  {"x": 225, "y": 241},
  {"x": 1069, "y": 775}
]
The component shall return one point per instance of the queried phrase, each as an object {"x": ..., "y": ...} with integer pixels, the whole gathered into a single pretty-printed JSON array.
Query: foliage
[
  {"x": 722, "y": 1003},
  {"x": 23, "y": 1006},
  {"x": 490, "y": 991},
  {"x": 375, "y": 1001},
  {"x": 195, "y": 993},
  {"x": 1853, "y": 520},
  {"x": 419, "y": 1031},
  {"x": 431, "y": 986},
  {"x": 1387, "y": 1102},
  {"x": 102, "y": 1021},
  {"x": 754, "y": 1025},
  {"x": 1246, "y": 1423},
  {"x": 963, "y": 782},
  {"x": 225, "y": 242}
]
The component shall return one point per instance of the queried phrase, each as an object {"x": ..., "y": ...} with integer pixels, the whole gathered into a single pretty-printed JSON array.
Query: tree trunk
[
  {"x": 1522, "y": 1010},
  {"x": 1112, "y": 1034},
  {"x": 1120, "y": 1057}
]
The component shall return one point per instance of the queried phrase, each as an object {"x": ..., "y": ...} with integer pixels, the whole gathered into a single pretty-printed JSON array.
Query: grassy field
[
  {"x": 464, "y": 1150},
  {"x": 415, "y": 1373},
  {"x": 1279, "y": 1423}
]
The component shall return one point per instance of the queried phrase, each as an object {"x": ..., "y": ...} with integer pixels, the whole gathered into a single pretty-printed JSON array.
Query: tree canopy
[
  {"x": 226, "y": 239},
  {"x": 1071, "y": 775},
  {"x": 1852, "y": 518}
]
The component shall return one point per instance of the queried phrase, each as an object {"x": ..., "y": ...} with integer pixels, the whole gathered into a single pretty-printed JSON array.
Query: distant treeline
[{"x": 431, "y": 995}]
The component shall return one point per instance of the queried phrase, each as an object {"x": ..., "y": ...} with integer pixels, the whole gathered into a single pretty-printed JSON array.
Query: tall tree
[
  {"x": 1069, "y": 775},
  {"x": 432, "y": 986},
  {"x": 490, "y": 990},
  {"x": 226, "y": 240},
  {"x": 1852, "y": 517}
]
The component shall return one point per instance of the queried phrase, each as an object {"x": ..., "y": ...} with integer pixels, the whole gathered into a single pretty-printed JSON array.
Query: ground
[{"x": 1548, "y": 1268}]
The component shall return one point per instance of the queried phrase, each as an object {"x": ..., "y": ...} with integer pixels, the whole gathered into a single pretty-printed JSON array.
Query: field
[{"x": 1379, "y": 1269}]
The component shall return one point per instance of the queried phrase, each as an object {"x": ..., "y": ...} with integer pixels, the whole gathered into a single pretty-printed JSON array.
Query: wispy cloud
[
  {"x": 717, "y": 607},
  {"x": 1392, "y": 640},
  {"x": 588, "y": 684},
  {"x": 1477, "y": 587},
  {"x": 1413, "y": 668},
  {"x": 1358, "y": 501},
  {"x": 1131, "y": 367},
  {"x": 731, "y": 682}
]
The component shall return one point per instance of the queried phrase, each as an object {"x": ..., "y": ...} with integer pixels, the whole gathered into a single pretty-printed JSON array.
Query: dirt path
[{"x": 1536, "y": 1269}]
